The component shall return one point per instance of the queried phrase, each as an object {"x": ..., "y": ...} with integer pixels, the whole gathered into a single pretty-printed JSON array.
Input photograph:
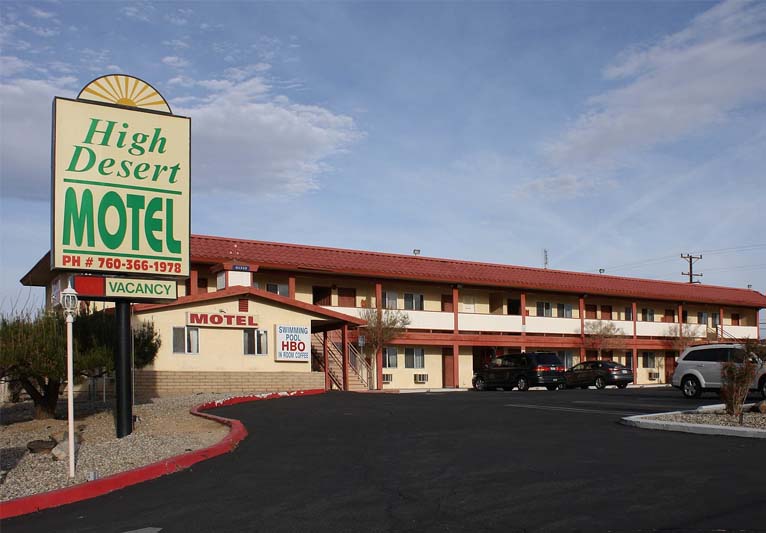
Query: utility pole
[
  {"x": 545, "y": 258},
  {"x": 691, "y": 259}
]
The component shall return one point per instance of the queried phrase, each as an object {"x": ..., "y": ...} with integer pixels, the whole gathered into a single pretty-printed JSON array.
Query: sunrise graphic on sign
[{"x": 124, "y": 90}]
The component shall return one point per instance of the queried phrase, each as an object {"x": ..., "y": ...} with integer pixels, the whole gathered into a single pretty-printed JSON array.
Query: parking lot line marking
[
  {"x": 569, "y": 409},
  {"x": 649, "y": 405}
]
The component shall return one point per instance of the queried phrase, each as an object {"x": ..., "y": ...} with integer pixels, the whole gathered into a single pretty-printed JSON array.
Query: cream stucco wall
[
  {"x": 465, "y": 368},
  {"x": 404, "y": 378},
  {"x": 222, "y": 349},
  {"x": 554, "y": 300},
  {"x": 642, "y": 374}
]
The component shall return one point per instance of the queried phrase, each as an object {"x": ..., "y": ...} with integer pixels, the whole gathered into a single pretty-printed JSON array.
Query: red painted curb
[{"x": 99, "y": 487}]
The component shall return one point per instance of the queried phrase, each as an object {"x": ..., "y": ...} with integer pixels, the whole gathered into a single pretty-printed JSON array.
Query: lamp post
[{"x": 69, "y": 303}]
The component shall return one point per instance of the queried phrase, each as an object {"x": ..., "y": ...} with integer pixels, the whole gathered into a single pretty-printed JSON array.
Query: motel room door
[
  {"x": 448, "y": 371},
  {"x": 670, "y": 367}
]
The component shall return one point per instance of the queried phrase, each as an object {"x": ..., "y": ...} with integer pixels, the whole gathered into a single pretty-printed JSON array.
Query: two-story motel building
[{"x": 221, "y": 333}]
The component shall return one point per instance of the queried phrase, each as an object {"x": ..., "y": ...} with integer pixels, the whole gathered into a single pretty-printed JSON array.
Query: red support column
[
  {"x": 635, "y": 336},
  {"x": 291, "y": 287},
  {"x": 456, "y": 364},
  {"x": 582, "y": 328},
  {"x": 345, "y": 356},
  {"x": 193, "y": 283},
  {"x": 720, "y": 322},
  {"x": 379, "y": 355},
  {"x": 680, "y": 320},
  {"x": 523, "y": 304},
  {"x": 327, "y": 380},
  {"x": 456, "y": 331}
]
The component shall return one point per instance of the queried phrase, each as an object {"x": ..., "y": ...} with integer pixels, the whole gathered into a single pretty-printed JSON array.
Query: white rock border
[{"x": 647, "y": 422}]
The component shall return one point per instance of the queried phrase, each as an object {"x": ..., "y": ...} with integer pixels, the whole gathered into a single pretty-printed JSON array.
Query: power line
[
  {"x": 743, "y": 248},
  {"x": 692, "y": 259},
  {"x": 636, "y": 264},
  {"x": 738, "y": 267},
  {"x": 668, "y": 258}
]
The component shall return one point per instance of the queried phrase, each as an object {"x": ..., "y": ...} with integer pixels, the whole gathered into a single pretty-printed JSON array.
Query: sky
[{"x": 614, "y": 135}]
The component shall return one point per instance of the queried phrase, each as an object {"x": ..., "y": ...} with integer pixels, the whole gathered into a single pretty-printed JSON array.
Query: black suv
[{"x": 539, "y": 369}]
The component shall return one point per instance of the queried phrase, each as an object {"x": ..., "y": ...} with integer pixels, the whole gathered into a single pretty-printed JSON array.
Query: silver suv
[{"x": 699, "y": 369}]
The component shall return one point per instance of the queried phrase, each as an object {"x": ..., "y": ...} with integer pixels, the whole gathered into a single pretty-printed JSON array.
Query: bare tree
[
  {"x": 603, "y": 335},
  {"x": 737, "y": 376},
  {"x": 688, "y": 334},
  {"x": 383, "y": 326}
]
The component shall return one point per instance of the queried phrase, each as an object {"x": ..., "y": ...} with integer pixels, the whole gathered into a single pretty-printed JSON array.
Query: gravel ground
[
  {"x": 717, "y": 418},
  {"x": 165, "y": 428}
]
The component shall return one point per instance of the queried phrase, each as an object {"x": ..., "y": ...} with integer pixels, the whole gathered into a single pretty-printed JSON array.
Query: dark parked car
[
  {"x": 599, "y": 374},
  {"x": 540, "y": 369}
]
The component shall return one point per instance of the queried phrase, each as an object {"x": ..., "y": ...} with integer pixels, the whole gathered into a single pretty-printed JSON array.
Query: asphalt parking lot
[{"x": 491, "y": 461}]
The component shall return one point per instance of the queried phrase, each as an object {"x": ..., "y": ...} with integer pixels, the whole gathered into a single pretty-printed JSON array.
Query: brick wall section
[{"x": 156, "y": 384}]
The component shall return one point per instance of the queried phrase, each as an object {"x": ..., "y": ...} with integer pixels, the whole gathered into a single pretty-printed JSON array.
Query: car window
[
  {"x": 507, "y": 362},
  {"x": 517, "y": 361},
  {"x": 737, "y": 355},
  {"x": 547, "y": 359},
  {"x": 578, "y": 368},
  {"x": 719, "y": 355},
  {"x": 708, "y": 355},
  {"x": 496, "y": 362}
]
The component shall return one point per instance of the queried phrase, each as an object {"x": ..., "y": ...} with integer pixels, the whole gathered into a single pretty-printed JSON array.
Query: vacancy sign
[
  {"x": 121, "y": 182},
  {"x": 293, "y": 343},
  {"x": 108, "y": 288}
]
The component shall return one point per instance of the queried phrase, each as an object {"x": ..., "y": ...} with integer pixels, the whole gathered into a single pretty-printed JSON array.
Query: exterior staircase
[{"x": 360, "y": 373}]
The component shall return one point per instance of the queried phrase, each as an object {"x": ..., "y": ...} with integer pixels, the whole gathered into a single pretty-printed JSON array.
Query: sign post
[{"x": 121, "y": 175}]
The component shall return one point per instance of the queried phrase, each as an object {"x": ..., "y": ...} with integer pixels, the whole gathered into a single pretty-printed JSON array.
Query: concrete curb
[
  {"x": 99, "y": 487},
  {"x": 439, "y": 390},
  {"x": 647, "y": 422}
]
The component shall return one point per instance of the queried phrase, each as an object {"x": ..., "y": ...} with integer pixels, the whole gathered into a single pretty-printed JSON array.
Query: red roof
[
  {"x": 283, "y": 256},
  {"x": 295, "y": 257},
  {"x": 258, "y": 293}
]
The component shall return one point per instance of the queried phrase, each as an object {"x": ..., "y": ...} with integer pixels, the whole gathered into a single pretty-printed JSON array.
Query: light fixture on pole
[{"x": 69, "y": 303}]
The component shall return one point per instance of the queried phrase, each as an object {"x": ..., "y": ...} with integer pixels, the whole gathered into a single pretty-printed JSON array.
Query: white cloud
[
  {"x": 39, "y": 13},
  {"x": 245, "y": 141},
  {"x": 176, "y": 43},
  {"x": 675, "y": 89},
  {"x": 40, "y": 31},
  {"x": 175, "y": 62},
  {"x": 96, "y": 60},
  {"x": 184, "y": 81},
  {"x": 143, "y": 11},
  {"x": 10, "y": 65},
  {"x": 180, "y": 17},
  {"x": 559, "y": 186},
  {"x": 25, "y": 110},
  {"x": 240, "y": 73},
  {"x": 249, "y": 144}
]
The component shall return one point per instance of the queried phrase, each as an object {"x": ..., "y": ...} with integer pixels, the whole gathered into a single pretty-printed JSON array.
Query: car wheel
[
  {"x": 690, "y": 386},
  {"x": 622, "y": 385},
  {"x": 561, "y": 386},
  {"x": 479, "y": 384},
  {"x": 522, "y": 384},
  {"x": 763, "y": 388},
  {"x": 600, "y": 382}
]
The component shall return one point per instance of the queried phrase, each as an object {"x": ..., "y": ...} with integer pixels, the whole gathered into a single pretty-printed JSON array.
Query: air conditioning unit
[
  {"x": 654, "y": 375},
  {"x": 421, "y": 378},
  {"x": 387, "y": 378}
]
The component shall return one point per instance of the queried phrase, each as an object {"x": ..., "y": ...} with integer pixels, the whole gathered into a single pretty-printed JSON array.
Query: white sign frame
[{"x": 297, "y": 340}]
